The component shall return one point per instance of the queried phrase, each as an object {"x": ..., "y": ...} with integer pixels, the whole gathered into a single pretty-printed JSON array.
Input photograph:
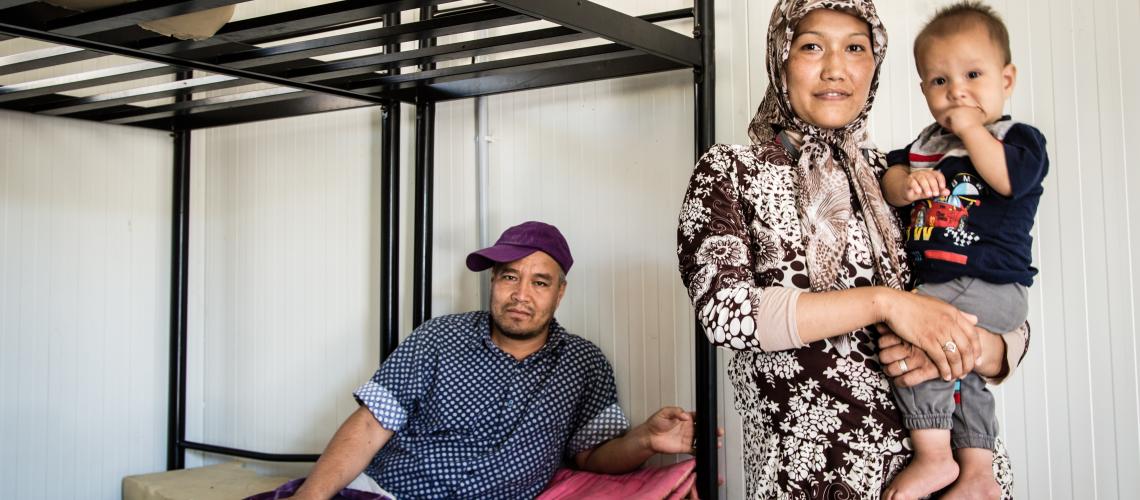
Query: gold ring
[
  {"x": 902, "y": 365},
  {"x": 950, "y": 346}
]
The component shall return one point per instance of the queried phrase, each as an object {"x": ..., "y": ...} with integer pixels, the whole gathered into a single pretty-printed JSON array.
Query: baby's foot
[
  {"x": 976, "y": 481},
  {"x": 924, "y": 475}
]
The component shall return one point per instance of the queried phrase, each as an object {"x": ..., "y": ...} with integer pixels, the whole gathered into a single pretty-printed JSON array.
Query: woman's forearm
[{"x": 827, "y": 314}]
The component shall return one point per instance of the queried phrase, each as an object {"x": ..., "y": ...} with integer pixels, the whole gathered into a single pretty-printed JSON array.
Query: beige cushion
[
  {"x": 223, "y": 481},
  {"x": 196, "y": 25}
]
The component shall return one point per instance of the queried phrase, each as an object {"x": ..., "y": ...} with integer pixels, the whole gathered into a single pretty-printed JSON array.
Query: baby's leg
[
  {"x": 927, "y": 411},
  {"x": 975, "y": 430},
  {"x": 931, "y": 469}
]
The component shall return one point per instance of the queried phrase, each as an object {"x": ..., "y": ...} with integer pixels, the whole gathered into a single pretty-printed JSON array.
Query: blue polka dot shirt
[{"x": 470, "y": 421}]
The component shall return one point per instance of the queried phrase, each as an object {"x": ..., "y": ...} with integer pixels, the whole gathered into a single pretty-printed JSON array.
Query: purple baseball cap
[{"x": 520, "y": 241}]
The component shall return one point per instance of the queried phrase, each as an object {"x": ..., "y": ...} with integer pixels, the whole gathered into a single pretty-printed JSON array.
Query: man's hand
[
  {"x": 915, "y": 367},
  {"x": 923, "y": 184},
  {"x": 670, "y": 430}
]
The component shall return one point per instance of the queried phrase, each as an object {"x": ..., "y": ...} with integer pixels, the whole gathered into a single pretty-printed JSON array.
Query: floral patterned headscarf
[{"x": 833, "y": 163}]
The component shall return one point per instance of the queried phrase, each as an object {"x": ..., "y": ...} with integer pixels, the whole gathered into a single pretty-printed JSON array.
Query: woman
[{"x": 789, "y": 252}]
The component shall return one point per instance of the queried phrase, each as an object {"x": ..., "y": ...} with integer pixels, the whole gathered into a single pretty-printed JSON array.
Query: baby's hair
[{"x": 961, "y": 16}]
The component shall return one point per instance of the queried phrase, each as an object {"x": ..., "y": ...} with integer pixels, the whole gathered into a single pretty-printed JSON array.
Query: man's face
[{"x": 524, "y": 295}]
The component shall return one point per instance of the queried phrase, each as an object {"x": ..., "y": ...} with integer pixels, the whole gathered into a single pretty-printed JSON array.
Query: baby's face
[{"x": 965, "y": 69}]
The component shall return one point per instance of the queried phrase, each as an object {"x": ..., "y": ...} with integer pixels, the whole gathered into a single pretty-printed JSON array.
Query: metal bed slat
[
  {"x": 294, "y": 23},
  {"x": 483, "y": 46},
  {"x": 274, "y": 94},
  {"x": 310, "y": 20},
  {"x": 381, "y": 84},
  {"x": 173, "y": 61},
  {"x": 586, "y": 69},
  {"x": 473, "y": 19},
  {"x": 64, "y": 83},
  {"x": 562, "y": 67},
  {"x": 463, "y": 23},
  {"x": 33, "y": 59},
  {"x": 612, "y": 25},
  {"x": 332, "y": 73},
  {"x": 169, "y": 89},
  {"x": 289, "y": 64}
]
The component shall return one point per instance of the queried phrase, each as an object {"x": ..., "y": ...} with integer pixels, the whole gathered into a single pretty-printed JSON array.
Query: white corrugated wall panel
[
  {"x": 284, "y": 278},
  {"x": 84, "y": 262}
]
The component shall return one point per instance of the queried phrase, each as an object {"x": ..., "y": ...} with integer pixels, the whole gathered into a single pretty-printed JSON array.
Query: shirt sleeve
[
  {"x": 1026, "y": 159},
  {"x": 600, "y": 417},
  {"x": 716, "y": 264},
  {"x": 899, "y": 156},
  {"x": 397, "y": 387}
]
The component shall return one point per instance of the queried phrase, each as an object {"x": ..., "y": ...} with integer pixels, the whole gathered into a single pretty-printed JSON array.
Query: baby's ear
[{"x": 1008, "y": 78}]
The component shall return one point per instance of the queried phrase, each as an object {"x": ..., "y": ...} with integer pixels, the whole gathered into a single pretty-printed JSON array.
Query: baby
[{"x": 972, "y": 181}]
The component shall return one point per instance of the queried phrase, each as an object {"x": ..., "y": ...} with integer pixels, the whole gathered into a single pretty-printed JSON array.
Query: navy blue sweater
[{"x": 975, "y": 231}]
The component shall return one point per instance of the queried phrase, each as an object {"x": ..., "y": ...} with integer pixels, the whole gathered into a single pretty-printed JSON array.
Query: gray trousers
[{"x": 930, "y": 405}]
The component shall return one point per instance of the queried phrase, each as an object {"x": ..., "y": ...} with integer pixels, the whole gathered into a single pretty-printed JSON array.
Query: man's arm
[
  {"x": 351, "y": 449},
  {"x": 670, "y": 430}
]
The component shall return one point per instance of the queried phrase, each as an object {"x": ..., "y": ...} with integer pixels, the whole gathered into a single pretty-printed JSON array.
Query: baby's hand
[
  {"x": 962, "y": 118},
  {"x": 923, "y": 184}
]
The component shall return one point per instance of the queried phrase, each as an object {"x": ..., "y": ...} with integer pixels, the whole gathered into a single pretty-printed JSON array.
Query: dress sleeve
[
  {"x": 716, "y": 263},
  {"x": 398, "y": 386},
  {"x": 600, "y": 417},
  {"x": 1016, "y": 346}
]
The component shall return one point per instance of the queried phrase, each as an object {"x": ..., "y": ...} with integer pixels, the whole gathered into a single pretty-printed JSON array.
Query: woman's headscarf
[{"x": 833, "y": 163}]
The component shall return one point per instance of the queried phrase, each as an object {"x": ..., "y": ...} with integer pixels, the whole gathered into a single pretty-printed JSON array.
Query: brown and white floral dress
[{"x": 819, "y": 420}]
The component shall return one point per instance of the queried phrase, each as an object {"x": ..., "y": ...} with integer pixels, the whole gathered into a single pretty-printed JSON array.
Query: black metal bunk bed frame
[{"x": 304, "y": 85}]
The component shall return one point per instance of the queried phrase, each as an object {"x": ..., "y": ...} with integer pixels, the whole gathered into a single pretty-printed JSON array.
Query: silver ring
[
  {"x": 950, "y": 346},
  {"x": 902, "y": 365}
]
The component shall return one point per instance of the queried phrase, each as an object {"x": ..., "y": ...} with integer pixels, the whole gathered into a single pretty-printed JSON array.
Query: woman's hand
[{"x": 946, "y": 334}]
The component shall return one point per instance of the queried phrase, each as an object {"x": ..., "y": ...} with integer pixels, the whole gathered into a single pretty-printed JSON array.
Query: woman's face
[{"x": 829, "y": 68}]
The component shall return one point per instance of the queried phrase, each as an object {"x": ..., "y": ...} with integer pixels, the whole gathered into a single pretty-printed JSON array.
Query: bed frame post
[
  {"x": 390, "y": 215},
  {"x": 706, "y": 364},
  {"x": 179, "y": 291},
  {"x": 425, "y": 187}
]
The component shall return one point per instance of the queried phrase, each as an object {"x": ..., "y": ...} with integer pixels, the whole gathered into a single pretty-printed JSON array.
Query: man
[{"x": 487, "y": 404}]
